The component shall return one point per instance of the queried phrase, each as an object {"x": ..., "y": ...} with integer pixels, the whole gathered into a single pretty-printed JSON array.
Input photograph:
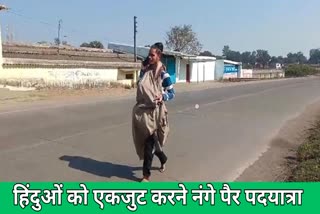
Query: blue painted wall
[
  {"x": 170, "y": 63},
  {"x": 231, "y": 68},
  {"x": 225, "y": 68}
]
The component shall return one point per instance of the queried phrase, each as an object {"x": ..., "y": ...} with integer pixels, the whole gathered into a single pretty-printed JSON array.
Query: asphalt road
[{"x": 91, "y": 140}]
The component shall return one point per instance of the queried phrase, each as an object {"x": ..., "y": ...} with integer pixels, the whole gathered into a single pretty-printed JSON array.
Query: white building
[
  {"x": 226, "y": 69},
  {"x": 196, "y": 69},
  {"x": 181, "y": 67}
]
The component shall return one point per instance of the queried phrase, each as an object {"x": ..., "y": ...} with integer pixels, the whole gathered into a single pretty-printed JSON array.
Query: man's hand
[{"x": 158, "y": 99}]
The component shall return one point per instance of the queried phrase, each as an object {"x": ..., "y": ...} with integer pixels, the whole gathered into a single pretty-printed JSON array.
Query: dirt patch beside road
[
  {"x": 15, "y": 98},
  {"x": 277, "y": 164}
]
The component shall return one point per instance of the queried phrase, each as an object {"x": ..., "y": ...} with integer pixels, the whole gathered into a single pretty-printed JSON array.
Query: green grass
[
  {"x": 308, "y": 157},
  {"x": 300, "y": 70},
  {"x": 307, "y": 171}
]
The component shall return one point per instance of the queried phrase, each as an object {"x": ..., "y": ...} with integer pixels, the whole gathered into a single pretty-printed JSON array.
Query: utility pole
[
  {"x": 59, "y": 39},
  {"x": 10, "y": 34},
  {"x": 135, "y": 38},
  {"x": 2, "y": 7},
  {"x": 59, "y": 30},
  {"x": 7, "y": 34}
]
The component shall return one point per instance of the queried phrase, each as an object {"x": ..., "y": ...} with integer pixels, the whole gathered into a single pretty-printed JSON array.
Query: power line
[
  {"x": 30, "y": 18},
  {"x": 54, "y": 26},
  {"x": 47, "y": 23}
]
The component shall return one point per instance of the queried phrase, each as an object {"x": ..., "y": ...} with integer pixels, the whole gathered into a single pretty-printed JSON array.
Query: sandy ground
[
  {"x": 276, "y": 164},
  {"x": 10, "y": 99}
]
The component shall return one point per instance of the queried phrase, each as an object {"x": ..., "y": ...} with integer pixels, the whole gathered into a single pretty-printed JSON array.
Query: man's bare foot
[
  {"x": 162, "y": 168},
  {"x": 145, "y": 179}
]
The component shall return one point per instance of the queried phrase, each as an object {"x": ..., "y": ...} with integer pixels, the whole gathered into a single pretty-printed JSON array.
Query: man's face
[{"x": 153, "y": 56}]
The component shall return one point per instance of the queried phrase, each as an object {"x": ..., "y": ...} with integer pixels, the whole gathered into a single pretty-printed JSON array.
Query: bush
[
  {"x": 310, "y": 150},
  {"x": 307, "y": 171},
  {"x": 300, "y": 70},
  {"x": 308, "y": 157}
]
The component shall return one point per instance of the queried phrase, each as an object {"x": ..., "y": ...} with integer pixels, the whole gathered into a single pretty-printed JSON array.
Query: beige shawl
[{"x": 148, "y": 117}]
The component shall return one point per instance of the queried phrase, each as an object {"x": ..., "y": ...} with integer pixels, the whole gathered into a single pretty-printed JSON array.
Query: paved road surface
[{"x": 91, "y": 140}]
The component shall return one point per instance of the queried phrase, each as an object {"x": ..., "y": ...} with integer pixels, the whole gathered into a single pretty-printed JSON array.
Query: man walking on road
[{"x": 150, "y": 126}]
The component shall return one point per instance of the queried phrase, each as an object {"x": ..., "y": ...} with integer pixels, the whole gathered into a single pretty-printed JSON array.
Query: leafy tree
[
  {"x": 245, "y": 57},
  {"x": 274, "y": 60},
  {"x": 230, "y": 54},
  {"x": 93, "y": 44},
  {"x": 226, "y": 50},
  {"x": 183, "y": 39},
  {"x": 248, "y": 59},
  {"x": 57, "y": 41},
  {"x": 263, "y": 58},
  {"x": 314, "y": 56},
  {"x": 234, "y": 56},
  {"x": 206, "y": 53},
  {"x": 301, "y": 58},
  {"x": 296, "y": 58},
  {"x": 253, "y": 59},
  {"x": 280, "y": 59}
]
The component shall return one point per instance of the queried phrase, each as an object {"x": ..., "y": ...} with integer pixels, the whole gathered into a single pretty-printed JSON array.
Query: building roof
[
  {"x": 143, "y": 51},
  {"x": 200, "y": 58},
  {"x": 38, "y": 55},
  {"x": 64, "y": 52},
  {"x": 230, "y": 62}
]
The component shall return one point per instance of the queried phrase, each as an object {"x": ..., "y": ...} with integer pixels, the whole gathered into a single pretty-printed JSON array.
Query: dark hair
[{"x": 159, "y": 45}]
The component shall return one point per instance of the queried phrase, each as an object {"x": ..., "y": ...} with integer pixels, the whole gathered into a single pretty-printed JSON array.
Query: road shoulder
[{"x": 275, "y": 165}]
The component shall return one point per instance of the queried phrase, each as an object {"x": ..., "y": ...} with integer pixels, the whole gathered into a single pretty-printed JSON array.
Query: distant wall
[
  {"x": 35, "y": 66},
  {"x": 69, "y": 77},
  {"x": 246, "y": 73},
  {"x": 268, "y": 74}
]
